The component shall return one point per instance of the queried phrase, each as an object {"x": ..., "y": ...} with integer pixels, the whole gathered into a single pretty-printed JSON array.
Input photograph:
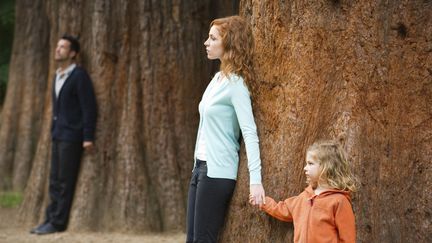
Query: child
[{"x": 322, "y": 212}]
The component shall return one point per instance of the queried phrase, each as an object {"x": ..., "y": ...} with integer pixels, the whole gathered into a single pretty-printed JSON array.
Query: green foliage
[
  {"x": 7, "y": 15},
  {"x": 10, "y": 199},
  {"x": 7, "y": 19}
]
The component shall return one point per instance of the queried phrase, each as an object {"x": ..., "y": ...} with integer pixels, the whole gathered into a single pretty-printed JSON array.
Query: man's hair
[{"x": 74, "y": 43}]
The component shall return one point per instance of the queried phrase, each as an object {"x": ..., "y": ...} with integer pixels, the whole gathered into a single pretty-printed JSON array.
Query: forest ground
[{"x": 12, "y": 232}]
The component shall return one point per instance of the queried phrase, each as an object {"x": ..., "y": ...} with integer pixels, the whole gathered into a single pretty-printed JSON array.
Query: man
[{"x": 73, "y": 129}]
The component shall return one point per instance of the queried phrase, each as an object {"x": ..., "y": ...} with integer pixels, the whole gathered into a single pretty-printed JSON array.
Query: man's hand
[{"x": 88, "y": 145}]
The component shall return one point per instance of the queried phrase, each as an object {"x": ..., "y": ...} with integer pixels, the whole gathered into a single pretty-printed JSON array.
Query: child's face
[{"x": 312, "y": 169}]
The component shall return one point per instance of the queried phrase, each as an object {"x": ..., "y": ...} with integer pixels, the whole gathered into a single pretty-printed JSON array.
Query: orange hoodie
[{"x": 324, "y": 218}]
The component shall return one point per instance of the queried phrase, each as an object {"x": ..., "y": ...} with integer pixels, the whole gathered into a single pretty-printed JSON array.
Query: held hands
[{"x": 257, "y": 195}]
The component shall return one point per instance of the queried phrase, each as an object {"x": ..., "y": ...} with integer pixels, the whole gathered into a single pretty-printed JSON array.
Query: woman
[{"x": 225, "y": 110}]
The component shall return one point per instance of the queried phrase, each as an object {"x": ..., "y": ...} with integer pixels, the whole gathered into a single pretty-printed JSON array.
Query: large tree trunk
[
  {"x": 24, "y": 102},
  {"x": 149, "y": 69},
  {"x": 359, "y": 71}
]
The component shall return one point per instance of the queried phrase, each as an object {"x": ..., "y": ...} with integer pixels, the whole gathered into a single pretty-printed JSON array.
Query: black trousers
[
  {"x": 65, "y": 164},
  {"x": 208, "y": 202}
]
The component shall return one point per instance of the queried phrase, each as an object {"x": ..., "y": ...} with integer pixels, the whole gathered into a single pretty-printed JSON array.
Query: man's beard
[{"x": 61, "y": 59}]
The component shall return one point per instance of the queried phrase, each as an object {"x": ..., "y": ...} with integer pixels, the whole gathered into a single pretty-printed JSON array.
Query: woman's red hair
[{"x": 237, "y": 43}]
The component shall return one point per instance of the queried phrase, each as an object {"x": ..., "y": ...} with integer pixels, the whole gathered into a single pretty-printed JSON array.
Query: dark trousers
[
  {"x": 65, "y": 164},
  {"x": 208, "y": 202}
]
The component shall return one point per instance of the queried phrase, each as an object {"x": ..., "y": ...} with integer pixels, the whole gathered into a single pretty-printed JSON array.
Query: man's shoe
[
  {"x": 47, "y": 228},
  {"x": 39, "y": 227}
]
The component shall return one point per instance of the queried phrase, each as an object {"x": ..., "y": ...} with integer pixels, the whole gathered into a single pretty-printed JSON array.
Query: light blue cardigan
[{"x": 228, "y": 111}]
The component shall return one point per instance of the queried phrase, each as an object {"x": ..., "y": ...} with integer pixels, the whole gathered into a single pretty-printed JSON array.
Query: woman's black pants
[{"x": 208, "y": 202}]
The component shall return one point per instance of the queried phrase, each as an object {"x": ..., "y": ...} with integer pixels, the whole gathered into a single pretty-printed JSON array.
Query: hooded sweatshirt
[{"x": 324, "y": 218}]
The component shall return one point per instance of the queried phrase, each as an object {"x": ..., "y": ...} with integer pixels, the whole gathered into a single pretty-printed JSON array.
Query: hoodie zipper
[{"x": 308, "y": 219}]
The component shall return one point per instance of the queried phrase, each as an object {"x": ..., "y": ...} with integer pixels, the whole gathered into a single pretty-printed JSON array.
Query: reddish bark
[{"x": 359, "y": 71}]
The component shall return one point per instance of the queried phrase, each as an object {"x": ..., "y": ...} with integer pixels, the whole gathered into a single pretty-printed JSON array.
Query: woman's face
[{"x": 214, "y": 44}]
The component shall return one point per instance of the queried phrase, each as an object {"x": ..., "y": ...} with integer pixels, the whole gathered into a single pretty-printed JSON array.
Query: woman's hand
[{"x": 257, "y": 195}]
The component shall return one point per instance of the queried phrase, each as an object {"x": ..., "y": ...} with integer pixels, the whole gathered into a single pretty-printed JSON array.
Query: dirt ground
[{"x": 11, "y": 232}]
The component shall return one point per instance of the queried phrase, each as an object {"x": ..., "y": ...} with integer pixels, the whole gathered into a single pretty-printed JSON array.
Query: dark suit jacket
[{"x": 74, "y": 111}]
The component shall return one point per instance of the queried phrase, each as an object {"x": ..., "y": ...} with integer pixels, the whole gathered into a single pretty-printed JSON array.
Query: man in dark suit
[{"x": 73, "y": 129}]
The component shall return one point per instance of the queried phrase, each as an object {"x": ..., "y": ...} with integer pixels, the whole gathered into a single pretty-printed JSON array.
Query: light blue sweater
[{"x": 228, "y": 111}]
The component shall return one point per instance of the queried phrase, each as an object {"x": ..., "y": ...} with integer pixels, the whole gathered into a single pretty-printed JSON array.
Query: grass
[{"x": 10, "y": 199}]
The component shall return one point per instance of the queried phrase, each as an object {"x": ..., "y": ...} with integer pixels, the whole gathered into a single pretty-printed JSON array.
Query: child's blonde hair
[{"x": 335, "y": 169}]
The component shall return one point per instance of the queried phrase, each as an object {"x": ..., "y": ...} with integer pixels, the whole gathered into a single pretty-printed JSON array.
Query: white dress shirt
[{"x": 61, "y": 77}]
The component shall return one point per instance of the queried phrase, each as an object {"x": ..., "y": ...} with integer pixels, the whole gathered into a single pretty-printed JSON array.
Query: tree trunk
[
  {"x": 149, "y": 69},
  {"x": 359, "y": 72},
  {"x": 25, "y": 101},
  {"x": 356, "y": 71}
]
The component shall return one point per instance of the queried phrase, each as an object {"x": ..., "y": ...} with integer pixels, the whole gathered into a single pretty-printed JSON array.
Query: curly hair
[
  {"x": 335, "y": 169},
  {"x": 238, "y": 44}
]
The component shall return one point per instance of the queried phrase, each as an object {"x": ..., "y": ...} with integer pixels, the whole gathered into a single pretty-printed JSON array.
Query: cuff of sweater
[
  {"x": 88, "y": 137},
  {"x": 265, "y": 205},
  {"x": 255, "y": 177}
]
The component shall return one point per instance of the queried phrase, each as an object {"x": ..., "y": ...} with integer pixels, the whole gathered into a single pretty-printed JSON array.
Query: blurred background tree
[{"x": 7, "y": 17}]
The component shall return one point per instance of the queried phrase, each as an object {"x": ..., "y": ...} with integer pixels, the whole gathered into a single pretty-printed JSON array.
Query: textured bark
[
  {"x": 149, "y": 69},
  {"x": 357, "y": 71},
  {"x": 24, "y": 102}
]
